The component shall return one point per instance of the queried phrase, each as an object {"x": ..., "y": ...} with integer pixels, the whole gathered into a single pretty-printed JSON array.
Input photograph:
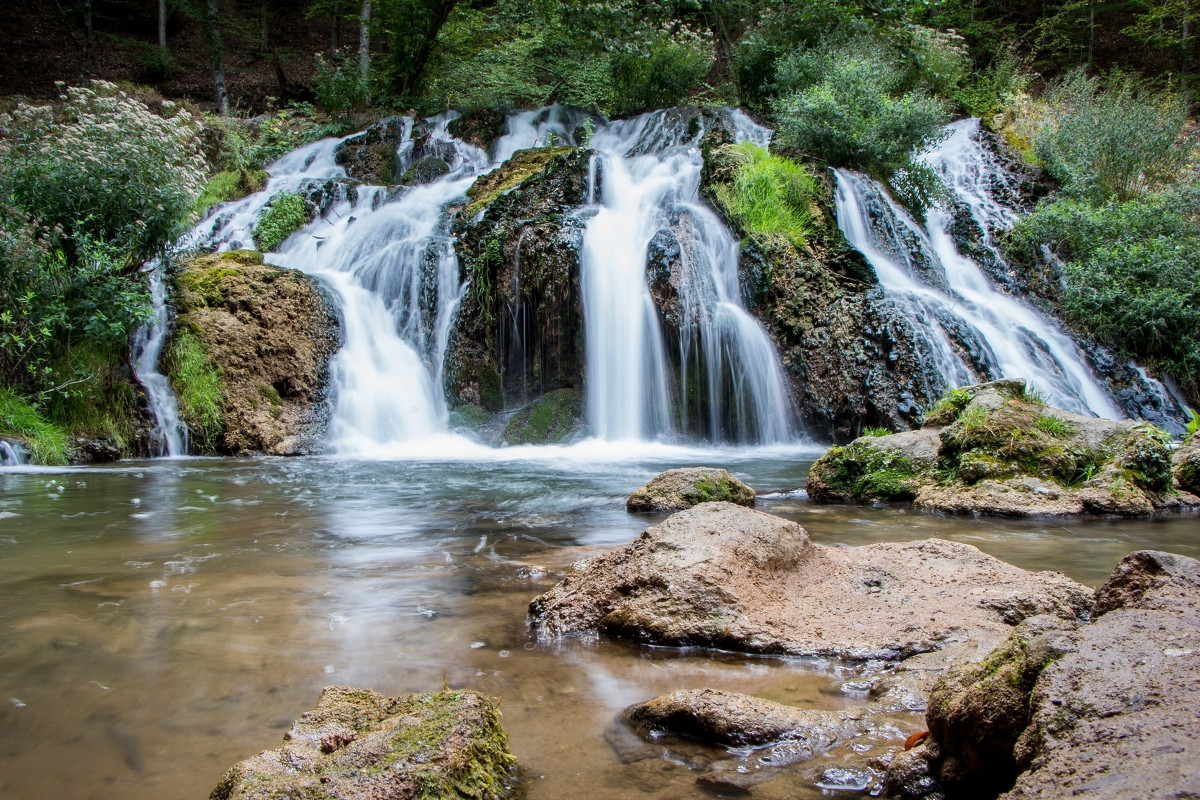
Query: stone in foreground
[
  {"x": 738, "y": 720},
  {"x": 359, "y": 744},
  {"x": 724, "y": 576},
  {"x": 997, "y": 449},
  {"x": 677, "y": 489}
]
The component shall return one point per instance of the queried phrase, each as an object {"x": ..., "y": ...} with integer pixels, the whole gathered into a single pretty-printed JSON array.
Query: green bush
[
  {"x": 226, "y": 186},
  {"x": 338, "y": 82},
  {"x": 770, "y": 195},
  {"x": 47, "y": 443},
  {"x": 990, "y": 90},
  {"x": 847, "y": 105},
  {"x": 1115, "y": 141},
  {"x": 664, "y": 75},
  {"x": 285, "y": 214}
]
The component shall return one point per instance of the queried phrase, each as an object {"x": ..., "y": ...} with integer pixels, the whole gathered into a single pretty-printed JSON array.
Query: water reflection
[{"x": 163, "y": 620}]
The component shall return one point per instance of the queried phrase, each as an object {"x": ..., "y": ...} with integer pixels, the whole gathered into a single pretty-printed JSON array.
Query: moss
[
  {"x": 20, "y": 419},
  {"x": 270, "y": 394},
  {"x": 948, "y": 409},
  {"x": 105, "y": 406},
  {"x": 708, "y": 491},
  {"x": 226, "y": 186},
  {"x": 470, "y": 417},
  {"x": 491, "y": 389},
  {"x": 198, "y": 387},
  {"x": 522, "y": 165},
  {"x": 865, "y": 472},
  {"x": 551, "y": 420},
  {"x": 286, "y": 213}
]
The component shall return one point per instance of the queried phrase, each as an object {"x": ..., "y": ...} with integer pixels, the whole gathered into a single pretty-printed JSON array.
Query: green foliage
[
  {"x": 990, "y": 90},
  {"x": 950, "y": 406},
  {"x": 338, "y": 82},
  {"x": 664, "y": 75},
  {"x": 226, "y": 186},
  {"x": 198, "y": 388},
  {"x": 770, "y": 195},
  {"x": 286, "y": 213},
  {"x": 1114, "y": 141},
  {"x": 104, "y": 167},
  {"x": 46, "y": 442},
  {"x": 245, "y": 146},
  {"x": 873, "y": 431},
  {"x": 1194, "y": 423},
  {"x": 1057, "y": 427},
  {"x": 847, "y": 105}
]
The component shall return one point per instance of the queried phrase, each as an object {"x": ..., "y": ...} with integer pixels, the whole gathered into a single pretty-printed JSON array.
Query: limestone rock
[
  {"x": 726, "y": 576},
  {"x": 256, "y": 339},
  {"x": 359, "y": 744},
  {"x": 739, "y": 720},
  {"x": 996, "y": 449},
  {"x": 677, "y": 489},
  {"x": 1186, "y": 465}
]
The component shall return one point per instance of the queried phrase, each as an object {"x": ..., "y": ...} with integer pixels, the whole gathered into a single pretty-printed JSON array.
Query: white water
[
  {"x": 169, "y": 437},
  {"x": 650, "y": 177},
  {"x": 12, "y": 454},
  {"x": 949, "y": 299}
]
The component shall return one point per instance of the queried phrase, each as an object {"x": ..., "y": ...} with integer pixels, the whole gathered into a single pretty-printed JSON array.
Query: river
[{"x": 164, "y": 619}]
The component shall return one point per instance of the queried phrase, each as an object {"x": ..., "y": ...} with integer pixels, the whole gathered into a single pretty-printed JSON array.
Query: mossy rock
[
  {"x": 479, "y": 126},
  {"x": 1186, "y": 465},
  {"x": 470, "y": 418},
  {"x": 677, "y": 489},
  {"x": 554, "y": 418},
  {"x": 424, "y": 170},
  {"x": 523, "y": 165},
  {"x": 357, "y": 743}
]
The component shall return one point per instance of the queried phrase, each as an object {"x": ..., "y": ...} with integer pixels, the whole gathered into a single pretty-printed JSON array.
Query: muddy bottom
[{"x": 160, "y": 621}]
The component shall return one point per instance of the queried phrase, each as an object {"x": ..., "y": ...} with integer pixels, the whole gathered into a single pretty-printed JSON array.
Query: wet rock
[
  {"x": 249, "y": 355},
  {"x": 424, "y": 170},
  {"x": 359, "y": 744},
  {"x": 911, "y": 775},
  {"x": 554, "y": 418},
  {"x": 1186, "y": 465},
  {"x": 677, "y": 489},
  {"x": 371, "y": 156},
  {"x": 94, "y": 451},
  {"x": 1000, "y": 450},
  {"x": 479, "y": 126},
  {"x": 732, "y": 719},
  {"x": 725, "y": 576},
  {"x": 1102, "y": 710}
]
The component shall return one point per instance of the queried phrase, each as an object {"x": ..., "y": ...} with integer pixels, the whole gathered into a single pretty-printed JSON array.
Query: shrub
[
  {"x": 338, "y": 82},
  {"x": 104, "y": 167},
  {"x": 989, "y": 91},
  {"x": 1116, "y": 141},
  {"x": 285, "y": 214},
  {"x": 47, "y": 443},
  {"x": 848, "y": 107},
  {"x": 661, "y": 76},
  {"x": 770, "y": 195}
]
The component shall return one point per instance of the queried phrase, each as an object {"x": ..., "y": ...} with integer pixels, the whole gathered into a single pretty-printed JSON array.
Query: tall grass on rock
[{"x": 770, "y": 195}]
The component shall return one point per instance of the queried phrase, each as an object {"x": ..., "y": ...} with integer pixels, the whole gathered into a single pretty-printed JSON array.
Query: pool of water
[{"x": 161, "y": 620}]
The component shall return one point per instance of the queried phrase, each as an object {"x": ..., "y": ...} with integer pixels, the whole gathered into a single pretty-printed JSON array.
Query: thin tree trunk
[
  {"x": 364, "y": 44},
  {"x": 1091, "y": 30},
  {"x": 437, "y": 19},
  {"x": 217, "y": 52},
  {"x": 162, "y": 28},
  {"x": 264, "y": 46},
  {"x": 1184, "y": 47},
  {"x": 89, "y": 51},
  {"x": 337, "y": 24}
]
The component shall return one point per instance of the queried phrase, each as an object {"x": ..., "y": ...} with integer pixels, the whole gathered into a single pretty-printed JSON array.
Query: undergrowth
[
  {"x": 770, "y": 195},
  {"x": 286, "y": 214},
  {"x": 46, "y": 442},
  {"x": 198, "y": 387}
]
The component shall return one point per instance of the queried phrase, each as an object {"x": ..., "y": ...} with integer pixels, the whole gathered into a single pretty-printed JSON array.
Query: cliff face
[{"x": 249, "y": 355}]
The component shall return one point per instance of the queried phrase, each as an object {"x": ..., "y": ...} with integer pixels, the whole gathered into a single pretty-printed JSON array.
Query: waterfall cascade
[
  {"x": 969, "y": 330},
  {"x": 12, "y": 454},
  {"x": 169, "y": 437}
]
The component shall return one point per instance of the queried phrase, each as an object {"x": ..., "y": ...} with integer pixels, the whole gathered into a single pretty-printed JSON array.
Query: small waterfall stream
[
  {"x": 12, "y": 454},
  {"x": 169, "y": 437},
  {"x": 969, "y": 330}
]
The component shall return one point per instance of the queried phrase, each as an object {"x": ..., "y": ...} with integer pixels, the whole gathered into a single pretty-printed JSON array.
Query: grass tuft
[
  {"x": 19, "y": 418},
  {"x": 771, "y": 195}
]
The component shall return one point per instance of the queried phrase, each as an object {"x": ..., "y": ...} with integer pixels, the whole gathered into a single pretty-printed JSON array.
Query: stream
[{"x": 165, "y": 619}]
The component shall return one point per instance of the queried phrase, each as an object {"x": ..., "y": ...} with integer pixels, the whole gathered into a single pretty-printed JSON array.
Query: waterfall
[
  {"x": 169, "y": 437},
  {"x": 12, "y": 454},
  {"x": 730, "y": 385},
  {"x": 968, "y": 330}
]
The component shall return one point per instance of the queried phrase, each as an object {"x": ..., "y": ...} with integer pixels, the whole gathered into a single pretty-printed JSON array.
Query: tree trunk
[
  {"x": 364, "y": 45},
  {"x": 217, "y": 53},
  {"x": 1091, "y": 30},
  {"x": 162, "y": 28},
  {"x": 420, "y": 57},
  {"x": 264, "y": 45},
  {"x": 334, "y": 44},
  {"x": 89, "y": 47},
  {"x": 1184, "y": 48}
]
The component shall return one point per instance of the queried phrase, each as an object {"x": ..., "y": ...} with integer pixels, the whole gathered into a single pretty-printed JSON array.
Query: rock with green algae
[
  {"x": 554, "y": 418},
  {"x": 1186, "y": 465},
  {"x": 997, "y": 448},
  {"x": 360, "y": 744},
  {"x": 682, "y": 488},
  {"x": 264, "y": 336}
]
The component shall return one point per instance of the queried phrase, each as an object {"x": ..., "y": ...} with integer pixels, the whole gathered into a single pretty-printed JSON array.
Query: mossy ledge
[
  {"x": 997, "y": 448},
  {"x": 359, "y": 743}
]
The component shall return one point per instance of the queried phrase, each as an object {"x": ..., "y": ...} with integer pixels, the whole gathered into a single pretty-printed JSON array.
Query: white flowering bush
[{"x": 105, "y": 166}]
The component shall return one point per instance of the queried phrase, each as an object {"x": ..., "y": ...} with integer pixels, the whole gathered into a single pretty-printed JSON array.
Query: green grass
[
  {"x": 873, "y": 431},
  {"x": 1057, "y": 427},
  {"x": 198, "y": 387},
  {"x": 286, "y": 214},
  {"x": 19, "y": 418},
  {"x": 226, "y": 186},
  {"x": 770, "y": 195}
]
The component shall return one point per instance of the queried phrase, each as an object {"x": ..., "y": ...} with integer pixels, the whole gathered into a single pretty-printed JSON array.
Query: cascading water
[
  {"x": 12, "y": 454},
  {"x": 169, "y": 437},
  {"x": 968, "y": 329},
  {"x": 730, "y": 385}
]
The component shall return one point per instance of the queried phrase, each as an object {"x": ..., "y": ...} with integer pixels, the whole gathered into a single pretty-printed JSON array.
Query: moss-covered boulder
[
  {"x": 479, "y": 126},
  {"x": 519, "y": 330},
  {"x": 357, "y": 744},
  {"x": 249, "y": 354},
  {"x": 677, "y": 489},
  {"x": 371, "y": 156},
  {"x": 997, "y": 448},
  {"x": 555, "y": 418},
  {"x": 1186, "y": 465}
]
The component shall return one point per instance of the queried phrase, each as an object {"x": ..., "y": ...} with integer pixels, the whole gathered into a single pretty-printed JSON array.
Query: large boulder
[
  {"x": 1186, "y": 465},
  {"x": 554, "y": 418},
  {"x": 1094, "y": 711},
  {"x": 726, "y": 576},
  {"x": 997, "y": 448},
  {"x": 249, "y": 354},
  {"x": 360, "y": 744},
  {"x": 677, "y": 489},
  {"x": 738, "y": 720}
]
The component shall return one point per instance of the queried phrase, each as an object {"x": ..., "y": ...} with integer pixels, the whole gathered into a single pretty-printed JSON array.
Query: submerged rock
[
  {"x": 359, "y": 744},
  {"x": 553, "y": 418},
  {"x": 725, "y": 576},
  {"x": 995, "y": 448},
  {"x": 738, "y": 720},
  {"x": 1102, "y": 710},
  {"x": 249, "y": 354},
  {"x": 678, "y": 489}
]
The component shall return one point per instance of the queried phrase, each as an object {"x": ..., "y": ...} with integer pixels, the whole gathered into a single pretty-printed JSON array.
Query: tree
[
  {"x": 216, "y": 52},
  {"x": 364, "y": 43}
]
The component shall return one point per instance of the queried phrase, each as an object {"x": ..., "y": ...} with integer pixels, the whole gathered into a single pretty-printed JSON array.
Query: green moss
[
  {"x": 20, "y": 419},
  {"x": 890, "y": 485},
  {"x": 285, "y": 214},
  {"x": 104, "y": 406},
  {"x": 491, "y": 390},
  {"x": 947, "y": 410},
  {"x": 869, "y": 473},
  {"x": 707, "y": 491},
  {"x": 270, "y": 394},
  {"x": 512, "y": 173},
  {"x": 226, "y": 186},
  {"x": 202, "y": 287},
  {"x": 551, "y": 420},
  {"x": 470, "y": 417},
  {"x": 198, "y": 387}
]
